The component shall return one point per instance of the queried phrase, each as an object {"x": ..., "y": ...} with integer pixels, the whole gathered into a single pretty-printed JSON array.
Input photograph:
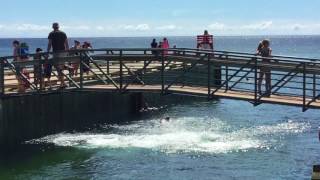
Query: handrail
[{"x": 188, "y": 50}]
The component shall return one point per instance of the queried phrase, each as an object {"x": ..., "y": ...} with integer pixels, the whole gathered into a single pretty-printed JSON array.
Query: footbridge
[{"x": 192, "y": 72}]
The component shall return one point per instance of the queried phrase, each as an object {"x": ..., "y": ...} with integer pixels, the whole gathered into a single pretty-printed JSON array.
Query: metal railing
[{"x": 215, "y": 71}]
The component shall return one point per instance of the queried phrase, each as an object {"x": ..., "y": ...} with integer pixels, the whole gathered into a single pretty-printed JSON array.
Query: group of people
[
  {"x": 164, "y": 44},
  {"x": 58, "y": 43}
]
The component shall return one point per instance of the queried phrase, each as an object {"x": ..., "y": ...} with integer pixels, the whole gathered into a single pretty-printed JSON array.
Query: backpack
[{"x": 24, "y": 50}]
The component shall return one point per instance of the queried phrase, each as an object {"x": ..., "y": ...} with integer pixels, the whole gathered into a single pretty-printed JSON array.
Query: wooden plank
[{"x": 274, "y": 99}]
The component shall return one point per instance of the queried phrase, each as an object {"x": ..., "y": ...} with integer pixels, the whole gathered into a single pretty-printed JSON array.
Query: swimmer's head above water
[{"x": 167, "y": 119}]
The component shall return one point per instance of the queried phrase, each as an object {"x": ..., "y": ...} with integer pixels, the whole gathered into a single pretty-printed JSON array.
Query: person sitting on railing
[
  {"x": 265, "y": 52},
  {"x": 205, "y": 41}
]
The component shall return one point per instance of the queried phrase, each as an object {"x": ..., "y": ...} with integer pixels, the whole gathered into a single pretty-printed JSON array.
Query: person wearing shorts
[{"x": 58, "y": 42}]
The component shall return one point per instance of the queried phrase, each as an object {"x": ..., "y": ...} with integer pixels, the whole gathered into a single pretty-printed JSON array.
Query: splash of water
[{"x": 180, "y": 135}]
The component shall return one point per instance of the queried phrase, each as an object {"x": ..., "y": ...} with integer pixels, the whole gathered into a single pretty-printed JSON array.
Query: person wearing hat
[{"x": 58, "y": 42}]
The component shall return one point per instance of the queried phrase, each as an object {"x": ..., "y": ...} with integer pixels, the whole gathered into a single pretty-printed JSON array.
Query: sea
[{"x": 216, "y": 140}]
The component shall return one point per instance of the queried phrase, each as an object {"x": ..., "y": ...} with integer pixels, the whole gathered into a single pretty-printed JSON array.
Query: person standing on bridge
[
  {"x": 154, "y": 45},
  {"x": 265, "y": 52},
  {"x": 165, "y": 45},
  {"x": 58, "y": 42},
  {"x": 17, "y": 58}
]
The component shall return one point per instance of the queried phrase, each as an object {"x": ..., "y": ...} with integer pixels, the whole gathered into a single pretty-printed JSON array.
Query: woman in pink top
[{"x": 165, "y": 45}]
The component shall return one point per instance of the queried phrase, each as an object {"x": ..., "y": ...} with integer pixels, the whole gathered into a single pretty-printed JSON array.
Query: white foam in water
[{"x": 179, "y": 136}]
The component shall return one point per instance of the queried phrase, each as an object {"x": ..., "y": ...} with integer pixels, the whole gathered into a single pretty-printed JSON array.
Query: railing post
[
  {"x": 209, "y": 78},
  {"x": 40, "y": 74},
  {"x": 81, "y": 69},
  {"x": 144, "y": 62},
  {"x": 121, "y": 71},
  {"x": 255, "y": 81},
  {"x": 162, "y": 72},
  {"x": 227, "y": 77},
  {"x": 304, "y": 88},
  {"x": 314, "y": 85},
  {"x": 2, "y": 89},
  {"x": 108, "y": 64}
]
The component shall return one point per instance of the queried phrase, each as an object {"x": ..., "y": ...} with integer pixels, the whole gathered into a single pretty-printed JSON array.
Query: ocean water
[{"x": 222, "y": 139}]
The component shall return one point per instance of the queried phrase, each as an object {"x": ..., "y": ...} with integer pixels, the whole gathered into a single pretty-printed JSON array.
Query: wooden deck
[{"x": 203, "y": 92}]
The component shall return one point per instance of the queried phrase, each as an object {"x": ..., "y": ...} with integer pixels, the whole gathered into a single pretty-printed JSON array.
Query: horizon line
[{"x": 150, "y": 36}]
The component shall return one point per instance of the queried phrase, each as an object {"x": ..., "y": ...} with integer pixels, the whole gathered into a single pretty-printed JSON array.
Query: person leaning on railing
[{"x": 265, "y": 51}]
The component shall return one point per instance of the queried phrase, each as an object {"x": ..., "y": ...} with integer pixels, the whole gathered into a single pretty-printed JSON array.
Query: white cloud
[
  {"x": 76, "y": 28},
  {"x": 258, "y": 26},
  {"x": 217, "y": 26},
  {"x": 167, "y": 27},
  {"x": 143, "y": 27},
  {"x": 139, "y": 27},
  {"x": 285, "y": 27},
  {"x": 100, "y": 28},
  {"x": 29, "y": 27}
]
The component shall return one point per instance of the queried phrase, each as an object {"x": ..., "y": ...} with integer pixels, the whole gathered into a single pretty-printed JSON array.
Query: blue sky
[{"x": 87, "y": 18}]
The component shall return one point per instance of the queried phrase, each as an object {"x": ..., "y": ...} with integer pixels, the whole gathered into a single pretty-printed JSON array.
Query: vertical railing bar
[
  {"x": 108, "y": 64},
  {"x": 255, "y": 81},
  {"x": 304, "y": 108},
  {"x": 226, "y": 78},
  {"x": 314, "y": 85},
  {"x": 81, "y": 69},
  {"x": 209, "y": 78},
  {"x": 144, "y": 62},
  {"x": 41, "y": 74},
  {"x": 121, "y": 71},
  {"x": 2, "y": 88},
  {"x": 162, "y": 72}
]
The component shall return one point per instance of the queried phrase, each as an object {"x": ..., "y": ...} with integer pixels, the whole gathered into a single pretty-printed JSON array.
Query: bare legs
[{"x": 267, "y": 74}]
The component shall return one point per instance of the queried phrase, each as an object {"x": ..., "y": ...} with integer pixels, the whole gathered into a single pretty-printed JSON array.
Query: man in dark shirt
[{"x": 58, "y": 42}]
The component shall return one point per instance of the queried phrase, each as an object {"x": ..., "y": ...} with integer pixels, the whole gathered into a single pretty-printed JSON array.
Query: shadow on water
[{"x": 31, "y": 160}]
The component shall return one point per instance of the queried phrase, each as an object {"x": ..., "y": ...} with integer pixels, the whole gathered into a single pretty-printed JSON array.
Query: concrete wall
[{"x": 33, "y": 116}]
